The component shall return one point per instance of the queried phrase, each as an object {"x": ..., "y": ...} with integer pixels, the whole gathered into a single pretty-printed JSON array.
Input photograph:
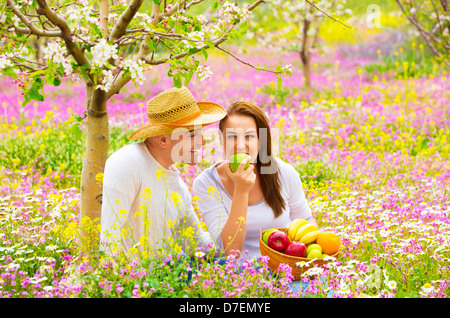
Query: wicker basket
[{"x": 276, "y": 258}]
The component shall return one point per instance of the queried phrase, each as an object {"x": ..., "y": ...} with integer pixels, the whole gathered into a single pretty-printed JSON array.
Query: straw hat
[{"x": 176, "y": 107}]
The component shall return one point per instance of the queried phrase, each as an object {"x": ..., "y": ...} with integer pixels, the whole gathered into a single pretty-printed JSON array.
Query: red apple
[
  {"x": 278, "y": 240},
  {"x": 296, "y": 248}
]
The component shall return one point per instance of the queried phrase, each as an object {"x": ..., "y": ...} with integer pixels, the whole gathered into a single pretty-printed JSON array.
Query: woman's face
[{"x": 240, "y": 135}]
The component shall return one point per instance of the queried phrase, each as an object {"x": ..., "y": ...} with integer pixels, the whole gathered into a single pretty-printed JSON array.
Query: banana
[
  {"x": 294, "y": 226},
  {"x": 303, "y": 230},
  {"x": 310, "y": 237}
]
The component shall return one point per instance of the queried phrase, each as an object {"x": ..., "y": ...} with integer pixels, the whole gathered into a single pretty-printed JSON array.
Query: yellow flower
[
  {"x": 70, "y": 230},
  {"x": 147, "y": 193},
  {"x": 211, "y": 189},
  {"x": 122, "y": 212},
  {"x": 99, "y": 177},
  {"x": 137, "y": 214},
  {"x": 133, "y": 250},
  {"x": 170, "y": 223},
  {"x": 143, "y": 240},
  {"x": 123, "y": 232},
  {"x": 188, "y": 232},
  {"x": 160, "y": 174},
  {"x": 176, "y": 198}
]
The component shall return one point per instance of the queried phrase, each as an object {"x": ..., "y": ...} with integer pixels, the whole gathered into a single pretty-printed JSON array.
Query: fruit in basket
[
  {"x": 295, "y": 248},
  {"x": 303, "y": 230},
  {"x": 236, "y": 159},
  {"x": 267, "y": 233},
  {"x": 313, "y": 246},
  {"x": 310, "y": 237},
  {"x": 294, "y": 226},
  {"x": 314, "y": 253},
  {"x": 329, "y": 241},
  {"x": 278, "y": 241}
]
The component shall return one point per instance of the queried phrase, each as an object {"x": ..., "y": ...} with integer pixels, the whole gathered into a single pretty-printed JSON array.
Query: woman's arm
[{"x": 234, "y": 231}]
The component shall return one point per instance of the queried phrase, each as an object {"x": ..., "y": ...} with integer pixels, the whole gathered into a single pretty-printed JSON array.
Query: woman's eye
[{"x": 251, "y": 136}]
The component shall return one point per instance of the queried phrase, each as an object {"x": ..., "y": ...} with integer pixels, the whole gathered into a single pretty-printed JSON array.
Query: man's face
[{"x": 187, "y": 145}]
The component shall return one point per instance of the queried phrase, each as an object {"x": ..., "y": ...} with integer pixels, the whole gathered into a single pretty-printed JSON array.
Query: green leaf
[
  {"x": 36, "y": 73},
  {"x": 205, "y": 54},
  {"x": 76, "y": 131},
  {"x": 26, "y": 100},
  {"x": 87, "y": 47},
  {"x": 215, "y": 5},
  {"x": 157, "y": 1},
  {"x": 33, "y": 93},
  {"x": 56, "y": 81},
  {"x": 49, "y": 77},
  {"x": 188, "y": 78},
  {"x": 10, "y": 72},
  {"x": 279, "y": 82},
  {"x": 177, "y": 80},
  {"x": 151, "y": 45},
  {"x": 97, "y": 31},
  {"x": 243, "y": 27}
]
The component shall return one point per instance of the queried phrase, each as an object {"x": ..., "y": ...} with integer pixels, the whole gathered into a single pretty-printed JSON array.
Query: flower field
[{"x": 372, "y": 149}]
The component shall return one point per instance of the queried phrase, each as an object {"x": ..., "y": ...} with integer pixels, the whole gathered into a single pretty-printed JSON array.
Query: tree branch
[
  {"x": 254, "y": 5},
  {"x": 144, "y": 49},
  {"x": 66, "y": 33},
  {"x": 31, "y": 28},
  {"x": 426, "y": 35},
  {"x": 124, "y": 20},
  {"x": 317, "y": 8},
  {"x": 104, "y": 11},
  {"x": 246, "y": 63}
]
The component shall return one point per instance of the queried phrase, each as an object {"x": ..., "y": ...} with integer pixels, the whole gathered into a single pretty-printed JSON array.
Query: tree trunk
[
  {"x": 306, "y": 62},
  {"x": 93, "y": 166},
  {"x": 305, "y": 54}
]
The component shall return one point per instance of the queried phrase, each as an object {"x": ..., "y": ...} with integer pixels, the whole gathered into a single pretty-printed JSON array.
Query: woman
[{"x": 237, "y": 207}]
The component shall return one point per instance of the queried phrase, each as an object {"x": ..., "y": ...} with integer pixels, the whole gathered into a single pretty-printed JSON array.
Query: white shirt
[
  {"x": 215, "y": 208},
  {"x": 144, "y": 203}
]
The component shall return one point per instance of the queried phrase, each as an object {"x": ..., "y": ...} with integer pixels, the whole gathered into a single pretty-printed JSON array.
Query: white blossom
[
  {"x": 197, "y": 38},
  {"x": 202, "y": 19},
  {"x": 55, "y": 52},
  {"x": 107, "y": 81},
  {"x": 136, "y": 69},
  {"x": 5, "y": 60},
  {"x": 102, "y": 52},
  {"x": 204, "y": 72}
]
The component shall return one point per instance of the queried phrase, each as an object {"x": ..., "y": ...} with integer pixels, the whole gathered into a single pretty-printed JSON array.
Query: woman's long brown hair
[{"x": 270, "y": 182}]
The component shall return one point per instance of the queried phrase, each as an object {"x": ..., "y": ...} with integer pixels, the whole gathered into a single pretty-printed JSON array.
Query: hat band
[{"x": 187, "y": 118}]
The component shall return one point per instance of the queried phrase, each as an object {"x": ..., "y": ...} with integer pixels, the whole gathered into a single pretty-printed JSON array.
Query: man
[{"x": 146, "y": 206}]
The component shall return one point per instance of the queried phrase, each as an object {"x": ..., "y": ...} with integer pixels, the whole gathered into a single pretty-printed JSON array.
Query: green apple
[
  {"x": 267, "y": 233},
  {"x": 235, "y": 161},
  {"x": 313, "y": 246},
  {"x": 315, "y": 253}
]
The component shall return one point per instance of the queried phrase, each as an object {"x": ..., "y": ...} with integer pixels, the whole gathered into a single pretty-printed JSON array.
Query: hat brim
[{"x": 210, "y": 113}]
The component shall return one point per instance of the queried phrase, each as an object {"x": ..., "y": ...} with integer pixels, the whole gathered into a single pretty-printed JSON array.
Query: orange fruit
[{"x": 329, "y": 241}]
